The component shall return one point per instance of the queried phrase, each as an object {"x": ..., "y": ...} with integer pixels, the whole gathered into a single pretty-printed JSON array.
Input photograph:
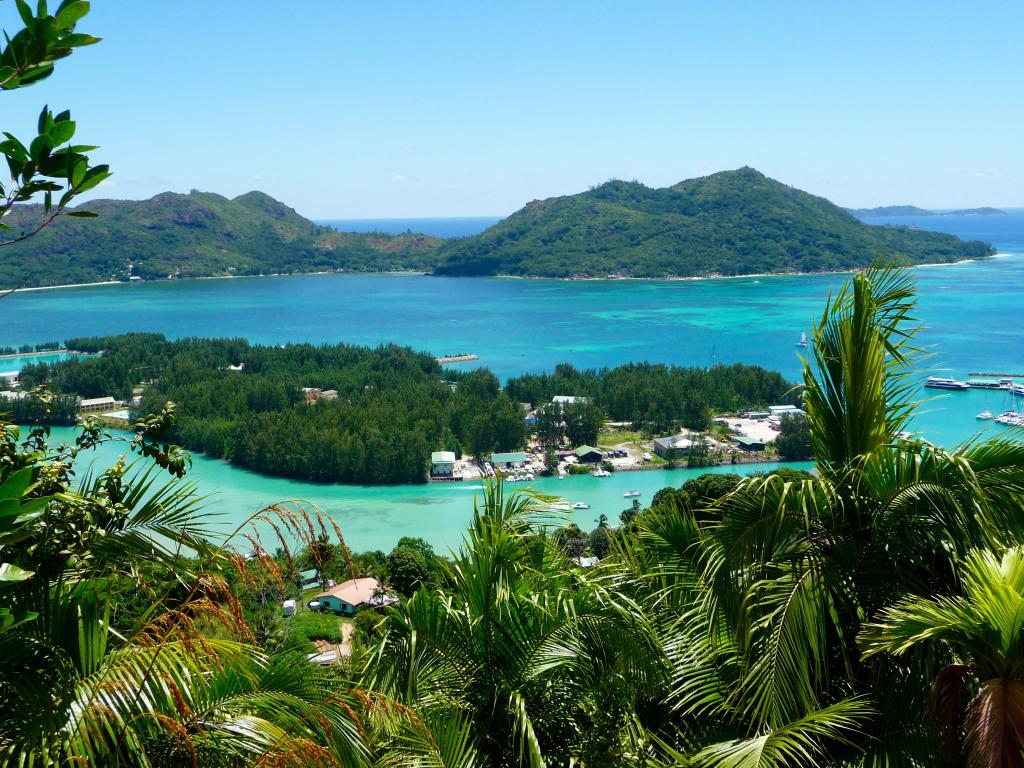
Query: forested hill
[
  {"x": 729, "y": 223},
  {"x": 200, "y": 234}
]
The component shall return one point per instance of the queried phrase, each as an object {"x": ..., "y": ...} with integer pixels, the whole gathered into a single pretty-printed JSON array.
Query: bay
[
  {"x": 971, "y": 312},
  {"x": 375, "y": 517}
]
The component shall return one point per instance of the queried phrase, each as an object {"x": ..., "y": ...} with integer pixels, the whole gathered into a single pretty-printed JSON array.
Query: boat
[
  {"x": 581, "y": 505},
  {"x": 984, "y": 416},
  {"x": 937, "y": 382},
  {"x": 601, "y": 473},
  {"x": 803, "y": 340},
  {"x": 631, "y": 494}
]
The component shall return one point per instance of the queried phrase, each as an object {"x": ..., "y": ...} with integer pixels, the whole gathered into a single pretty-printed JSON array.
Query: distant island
[
  {"x": 885, "y": 211},
  {"x": 200, "y": 234},
  {"x": 731, "y": 223}
]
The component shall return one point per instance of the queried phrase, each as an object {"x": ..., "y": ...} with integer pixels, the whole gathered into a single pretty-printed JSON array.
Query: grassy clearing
[
  {"x": 316, "y": 626},
  {"x": 617, "y": 437}
]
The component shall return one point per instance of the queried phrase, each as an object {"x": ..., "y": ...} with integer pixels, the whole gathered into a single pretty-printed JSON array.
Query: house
[
  {"x": 508, "y": 460},
  {"x": 349, "y": 596},
  {"x": 15, "y": 394},
  {"x": 778, "y": 411},
  {"x": 673, "y": 446},
  {"x": 745, "y": 443},
  {"x": 568, "y": 400},
  {"x": 236, "y": 368},
  {"x": 98, "y": 404},
  {"x": 328, "y": 394},
  {"x": 587, "y": 454},
  {"x": 309, "y": 578},
  {"x": 311, "y": 393},
  {"x": 442, "y": 464}
]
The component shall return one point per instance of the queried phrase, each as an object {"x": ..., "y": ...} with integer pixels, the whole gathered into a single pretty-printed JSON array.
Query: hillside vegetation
[
  {"x": 200, "y": 234},
  {"x": 729, "y": 223}
]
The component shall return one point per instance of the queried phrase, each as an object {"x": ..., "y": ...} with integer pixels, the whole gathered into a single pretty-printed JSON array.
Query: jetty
[
  {"x": 456, "y": 358},
  {"x": 1001, "y": 375}
]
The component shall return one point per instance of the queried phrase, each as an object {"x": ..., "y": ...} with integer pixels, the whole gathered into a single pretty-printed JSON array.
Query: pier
[{"x": 1001, "y": 375}]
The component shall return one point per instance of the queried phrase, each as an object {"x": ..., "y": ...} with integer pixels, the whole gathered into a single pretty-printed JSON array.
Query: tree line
[{"x": 393, "y": 407}]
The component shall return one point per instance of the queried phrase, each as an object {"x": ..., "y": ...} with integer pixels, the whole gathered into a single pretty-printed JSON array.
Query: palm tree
[
  {"x": 979, "y": 696},
  {"x": 517, "y": 646},
  {"x": 766, "y": 590},
  {"x": 172, "y": 691}
]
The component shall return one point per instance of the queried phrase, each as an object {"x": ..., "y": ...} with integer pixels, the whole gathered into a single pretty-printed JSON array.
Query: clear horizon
[{"x": 406, "y": 111}]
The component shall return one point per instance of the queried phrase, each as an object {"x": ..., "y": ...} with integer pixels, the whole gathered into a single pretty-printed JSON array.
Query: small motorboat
[
  {"x": 631, "y": 494},
  {"x": 581, "y": 505},
  {"x": 984, "y": 416}
]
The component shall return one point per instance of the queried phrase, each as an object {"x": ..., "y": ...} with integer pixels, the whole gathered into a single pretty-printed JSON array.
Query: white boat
[
  {"x": 601, "y": 473},
  {"x": 580, "y": 505},
  {"x": 984, "y": 416},
  {"x": 630, "y": 494},
  {"x": 803, "y": 340},
  {"x": 937, "y": 382}
]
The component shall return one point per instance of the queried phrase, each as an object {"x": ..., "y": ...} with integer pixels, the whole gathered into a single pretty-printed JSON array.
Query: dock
[
  {"x": 1000, "y": 375},
  {"x": 456, "y": 358}
]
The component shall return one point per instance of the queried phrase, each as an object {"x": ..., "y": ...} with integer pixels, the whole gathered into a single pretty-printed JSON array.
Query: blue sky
[{"x": 348, "y": 109}]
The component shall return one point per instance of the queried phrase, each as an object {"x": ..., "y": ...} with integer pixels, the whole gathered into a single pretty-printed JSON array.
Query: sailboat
[{"x": 803, "y": 340}]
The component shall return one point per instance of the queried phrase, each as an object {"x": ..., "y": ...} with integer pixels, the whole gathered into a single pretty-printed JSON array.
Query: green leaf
[
  {"x": 10, "y": 573},
  {"x": 71, "y": 14},
  {"x": 27, "y": 17},
  {"x": 78, "y": 173},
  {"x": 62, "y": 131},
  {"x": 45, "y": 119},
  {"x": 15, "y": 486}
]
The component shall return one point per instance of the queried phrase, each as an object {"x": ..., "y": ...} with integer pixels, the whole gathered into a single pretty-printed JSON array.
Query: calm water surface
[{"x": 972, "y": 313}]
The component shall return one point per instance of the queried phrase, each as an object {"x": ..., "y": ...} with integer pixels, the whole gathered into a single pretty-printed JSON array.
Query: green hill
[
  {"x": 195, "y": 235},
  {"x": 734, "y": 222}
]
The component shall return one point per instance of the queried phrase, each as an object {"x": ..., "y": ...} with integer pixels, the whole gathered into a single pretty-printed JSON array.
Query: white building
[
  {"x": 568, "y": 400},
  {"x": 98, "y": 404},
  {"x": 442, "y": 464}
]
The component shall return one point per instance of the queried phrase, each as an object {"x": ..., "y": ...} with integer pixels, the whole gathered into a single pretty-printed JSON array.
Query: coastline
[{"x": 413, "y": 272}]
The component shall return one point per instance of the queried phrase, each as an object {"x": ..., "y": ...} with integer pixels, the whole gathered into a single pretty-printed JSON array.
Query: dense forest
[
  {"x": 655, "y": 397},
  {"x": 730, "y": 223},
  {"x": 195, "y": 235},
  {"x": 393, "y": 407}
]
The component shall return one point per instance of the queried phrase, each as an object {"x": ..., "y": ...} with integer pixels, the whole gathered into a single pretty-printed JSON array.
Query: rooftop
[
  {"x": 96, "y": 401},
  {"x": 515, "y": 457},
  {"x": 356, "y": 592},
  {"x": 583, "y": 450},
  {"x": 442, "y": 457}
]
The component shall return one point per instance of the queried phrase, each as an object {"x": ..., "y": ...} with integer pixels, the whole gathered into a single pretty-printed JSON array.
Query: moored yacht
[
  {"x": 937, "y": 382},
  {"x": 984, "y": 416}
]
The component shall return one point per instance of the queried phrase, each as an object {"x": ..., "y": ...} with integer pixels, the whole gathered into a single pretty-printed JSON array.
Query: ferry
[
  {"x": 631, "y": 494},
  {"x": 936, "y": 382},
  {"x": 580, "y": 505}
]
